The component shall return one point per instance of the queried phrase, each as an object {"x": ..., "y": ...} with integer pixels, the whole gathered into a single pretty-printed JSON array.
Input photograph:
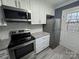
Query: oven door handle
[{"x": 22, "y": 45}]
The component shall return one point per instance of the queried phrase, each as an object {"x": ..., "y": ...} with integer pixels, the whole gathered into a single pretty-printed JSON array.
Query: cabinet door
[
  {"x": 39, "y": 45},
  {"x": 22, "y": 4},
  {"x": 43, "y": 17},
  {"x": 35, "y": 12},
  {"x": 38, "y": 12},
  {"x": 9, "y": 2},
  {"x": 42, "y": 14},
  {"x": 42, "y": 43},
  {"x": 46, "y": 41},
  {"x": 25, "y": 4}
]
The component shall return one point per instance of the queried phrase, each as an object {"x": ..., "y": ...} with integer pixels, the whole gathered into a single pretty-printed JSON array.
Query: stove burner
[{"x": 19, "y": 37}]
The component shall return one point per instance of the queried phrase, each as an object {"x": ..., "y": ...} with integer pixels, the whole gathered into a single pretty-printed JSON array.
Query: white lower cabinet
[{"x": 42, "y": 43}]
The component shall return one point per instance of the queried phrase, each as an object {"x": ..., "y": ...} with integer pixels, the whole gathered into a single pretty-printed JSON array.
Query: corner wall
[{"x": 58, "y": 14}]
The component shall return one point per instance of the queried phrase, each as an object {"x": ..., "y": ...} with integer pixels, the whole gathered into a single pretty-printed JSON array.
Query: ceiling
[{"x": 56, "y": 3}]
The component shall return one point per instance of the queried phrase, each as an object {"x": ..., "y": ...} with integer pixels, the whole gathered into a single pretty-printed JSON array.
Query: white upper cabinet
[
  {"x": 12, "y": 3},
  {"x": 35, "y": 7},
  {"x": 42, "y": 14},
  {"x": 25, "y": 4},
  {"x": 38, "y": 12},
  {"x": 35, "y": 17}
]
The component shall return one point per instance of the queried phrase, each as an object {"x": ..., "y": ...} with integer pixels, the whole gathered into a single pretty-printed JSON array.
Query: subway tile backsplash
[{"x": 4, "y": 31}]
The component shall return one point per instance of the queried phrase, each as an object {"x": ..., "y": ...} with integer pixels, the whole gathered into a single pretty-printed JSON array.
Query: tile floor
[{"x": 57, "y": 53}]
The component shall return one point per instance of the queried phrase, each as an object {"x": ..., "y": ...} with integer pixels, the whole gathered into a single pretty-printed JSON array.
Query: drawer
[
  {"x": 46, "y": 38},
  {"x": 39, "y": 40},
  {"x": 42, "y": 46},
  {"x": 46, "y": 44},
  {"x": 39, "y": 49},
  {"x": 42, "y": 43},
  {"x": 43, "y": 39}
]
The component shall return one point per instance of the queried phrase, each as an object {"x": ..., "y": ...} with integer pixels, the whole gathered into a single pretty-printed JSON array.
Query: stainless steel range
[{"x": 22, "y": 45}]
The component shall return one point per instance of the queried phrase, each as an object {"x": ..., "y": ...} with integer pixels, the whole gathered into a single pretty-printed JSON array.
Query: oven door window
[{"x": 25, "y": 50}]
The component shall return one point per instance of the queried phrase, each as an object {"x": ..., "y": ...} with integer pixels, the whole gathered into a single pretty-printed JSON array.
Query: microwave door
[{"x": 13, "y": 15}]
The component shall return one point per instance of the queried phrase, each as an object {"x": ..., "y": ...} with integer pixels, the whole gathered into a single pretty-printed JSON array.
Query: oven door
[{"x": 24, "y": 51}]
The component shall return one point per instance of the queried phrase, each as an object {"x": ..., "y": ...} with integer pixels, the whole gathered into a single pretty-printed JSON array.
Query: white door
[
  {"x": 9, "y": 2},
  {"x": 70, "y": 29}
]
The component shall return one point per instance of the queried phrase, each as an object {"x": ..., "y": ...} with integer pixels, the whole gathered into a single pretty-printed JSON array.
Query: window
[
  {"x": 78, "y": 16},
  {"x": 72, "y": 22},
  {"x": 73, "y": 17}
]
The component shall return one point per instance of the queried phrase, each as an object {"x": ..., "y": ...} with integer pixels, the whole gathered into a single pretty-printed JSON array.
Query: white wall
[
  {"x": 64, "y": 4},
  {"x": 49, "y": 9},
  {"x": 36, "y": 28},
  {"x": 69, "y": 38}
]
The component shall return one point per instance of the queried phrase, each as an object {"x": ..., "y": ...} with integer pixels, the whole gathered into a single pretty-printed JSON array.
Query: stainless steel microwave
[{"x": 15, "y": 14}]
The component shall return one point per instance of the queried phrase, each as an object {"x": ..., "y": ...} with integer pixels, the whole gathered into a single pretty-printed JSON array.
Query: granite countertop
[
  {"x": 40, "y": 34},
  {"x": 4, "y": 43}
]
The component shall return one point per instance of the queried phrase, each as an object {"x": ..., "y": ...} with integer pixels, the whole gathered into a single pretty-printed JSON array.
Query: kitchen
[{"x": 32, "y": 22}]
